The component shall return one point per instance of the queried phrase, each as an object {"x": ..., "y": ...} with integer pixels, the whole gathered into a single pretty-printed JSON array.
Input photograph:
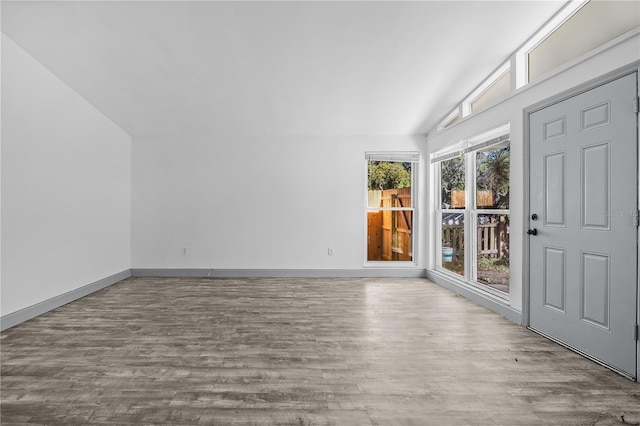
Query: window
[
  {"x": 580, "y": 27},
  {"x": 522, "y": 55},
  {"x": 496, "y": 86},
  {"x": 390, "y": 207},
  {"x": 473, "y": 210},
  {"x": 452, "y": 213},
  {"x": 491, "y": 216},
  {"x": 500, "y": 89},
  {"x": 590, "y": 27},
  {"x": 452, "y": 118}
]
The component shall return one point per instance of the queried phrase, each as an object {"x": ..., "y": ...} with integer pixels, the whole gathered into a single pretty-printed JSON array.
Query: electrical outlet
[
  {"x": 330, "y": 251},
  {"x": 184, "y": 251}
]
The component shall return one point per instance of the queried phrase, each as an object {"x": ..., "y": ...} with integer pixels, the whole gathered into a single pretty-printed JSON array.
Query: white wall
[
  {"x": 252, "y": 202},
  {"x": 66, "y": 179},
  {"x": 511, "y": 111}
]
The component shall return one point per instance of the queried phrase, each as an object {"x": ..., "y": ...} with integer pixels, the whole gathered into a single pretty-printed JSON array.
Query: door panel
[
  {"x": 554, "y": 278},
  {"x": 554, "y": 189},
  {"x": 583, "y": 187},
  {"x": 594, "y": 186},
  {"x": 594, "y": 289}
]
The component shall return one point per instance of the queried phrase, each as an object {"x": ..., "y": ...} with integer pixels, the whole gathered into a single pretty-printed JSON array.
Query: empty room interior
[{"x": 301, "y": 212}]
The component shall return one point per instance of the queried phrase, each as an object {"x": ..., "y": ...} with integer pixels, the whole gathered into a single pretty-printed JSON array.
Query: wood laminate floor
[{"x": 296, "y": 352}]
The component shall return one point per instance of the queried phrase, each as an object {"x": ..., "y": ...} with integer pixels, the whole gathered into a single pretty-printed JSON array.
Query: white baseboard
[
  {"x": 485, "y": 300},
  {"x": 283, "y": 273},
  {"x": 40, "y": 308}
]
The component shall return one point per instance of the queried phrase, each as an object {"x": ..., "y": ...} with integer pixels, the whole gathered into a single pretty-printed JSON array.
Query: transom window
[{"x": 580, "y": 27}]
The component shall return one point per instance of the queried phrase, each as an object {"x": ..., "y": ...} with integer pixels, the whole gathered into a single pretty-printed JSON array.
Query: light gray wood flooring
[{"x": 296, "y": 352}]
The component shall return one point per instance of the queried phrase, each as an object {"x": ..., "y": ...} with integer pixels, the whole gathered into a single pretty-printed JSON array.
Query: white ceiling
[{"x": 283, "y": 68}]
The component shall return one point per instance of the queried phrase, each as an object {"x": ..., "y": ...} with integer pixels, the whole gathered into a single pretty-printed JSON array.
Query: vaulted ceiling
[{"x": 279, "y": 68}]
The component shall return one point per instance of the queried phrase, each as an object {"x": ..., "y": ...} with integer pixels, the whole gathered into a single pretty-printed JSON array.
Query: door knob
[{"x": 533, "y": 231}]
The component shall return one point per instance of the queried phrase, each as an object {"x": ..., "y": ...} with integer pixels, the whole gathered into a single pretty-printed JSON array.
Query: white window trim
[
  {"x": 401, "y": 157},
  {"x": 446, "y": 122},
  {"x": 472, "y": 143}
]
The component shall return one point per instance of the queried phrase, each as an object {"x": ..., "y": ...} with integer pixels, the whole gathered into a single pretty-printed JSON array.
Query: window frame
[
  {"x": 470, "y": 211},
  {"x": 484, "y": 86},
  {"x": 412, "y": 157},
  {"x": 450, "y": 119},
  {"x": 522, "y": 54}
]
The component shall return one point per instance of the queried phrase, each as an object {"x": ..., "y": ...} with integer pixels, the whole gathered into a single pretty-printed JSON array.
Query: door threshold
[{"x": 586, "y": 355}]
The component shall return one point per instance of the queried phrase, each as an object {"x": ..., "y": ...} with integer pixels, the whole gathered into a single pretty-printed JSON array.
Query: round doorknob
[{"x": 533, "y": 231}]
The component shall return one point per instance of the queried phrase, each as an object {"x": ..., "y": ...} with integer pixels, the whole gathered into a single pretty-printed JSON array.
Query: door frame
[{"x": 527, "y": 112}]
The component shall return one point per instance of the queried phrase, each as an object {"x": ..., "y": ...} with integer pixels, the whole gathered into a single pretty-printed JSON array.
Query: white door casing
[{"x": 583, "y": 188}]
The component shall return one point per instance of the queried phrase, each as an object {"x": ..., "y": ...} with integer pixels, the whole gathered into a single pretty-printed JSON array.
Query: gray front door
[{"x": 583, "y": 190}]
